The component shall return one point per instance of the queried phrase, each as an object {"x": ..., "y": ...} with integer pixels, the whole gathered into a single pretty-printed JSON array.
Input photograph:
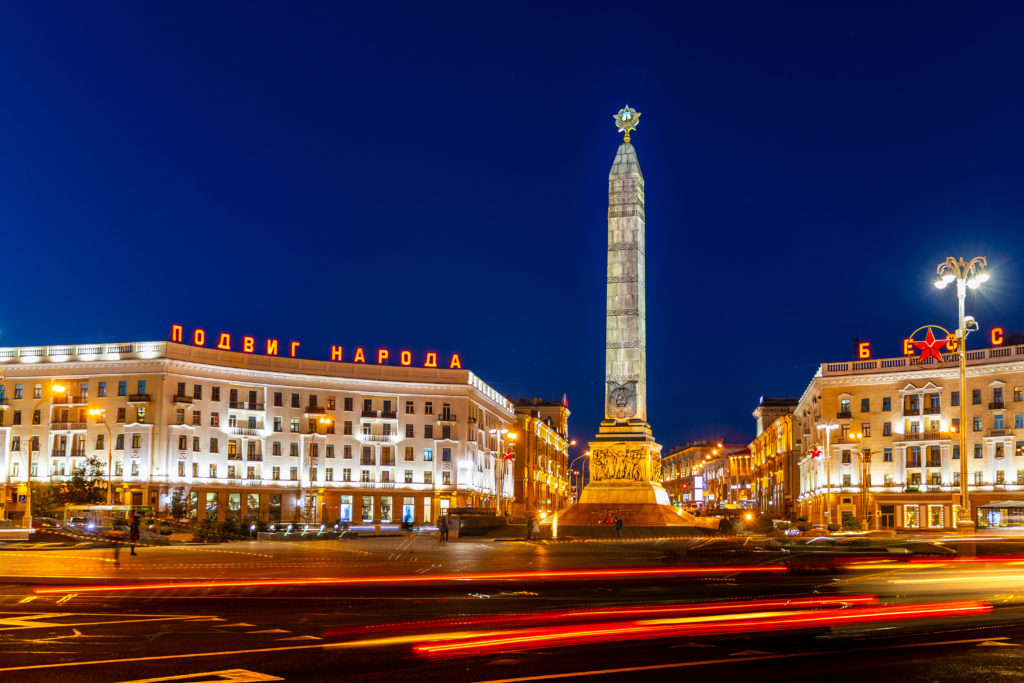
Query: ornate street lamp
[
  {"x": 966, "y": 274},
  {"x": 54, "y": 389},
  {"x": 101, "y": 416},
  {"x": 827, "y": 426}
]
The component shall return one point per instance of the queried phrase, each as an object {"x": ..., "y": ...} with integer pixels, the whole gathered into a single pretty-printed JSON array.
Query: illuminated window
[
  {"x": 976, "y": 424},
  {"x": 910, "y": 519},
  {"x": 998, "y": 421},
  {"x": 346, "y": 474},
  {"x": 408, "y": 476},
  {"x": 293, "y": 450},
  {"x": 295, "y": 425},
  {"x": 330, "y": 403},
  {"x": 409, "y": 453},
  {"x": 446, "y": 478},
  {"x": 865, "y": 429},
  {"x": 293, "y": 473},
  {"x": 979, "y": 478},
  {"x": 197, "y": 417},
  {"x": 428, "y": 454},
  {"x": 428, "y": 477},
  {"x": 409, "y": 409},
  {"x": 275, "y": 473},
  {"x": 1018, "y": 394},
  {"x": 213, "y": 471},
  {"x": 136, "y": 440},
  {"x": 1000, "y": 477},
  {"x": 846, "y": 480},
  {"x": 935, "y": 516},
  {"x": 977, "y": 451}
]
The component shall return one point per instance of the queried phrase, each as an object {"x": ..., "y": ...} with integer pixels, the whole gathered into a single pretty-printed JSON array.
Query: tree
[
  {"x": 46, "y": 499},
  {"x": 178, "y": 503},
  {"x": 85, "y": 485}
]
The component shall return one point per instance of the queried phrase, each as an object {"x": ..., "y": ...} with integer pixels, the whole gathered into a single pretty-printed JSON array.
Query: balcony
[
  {"x": 77, "y": 452},
  {"x": 912, "y": 411},
  {"x": 139, "y": 398},
  {"x": 380, "y": 414},
  {"x": 58, "y": 453},
  {"x": 246, "y": 431},
  {"x": 254, "y": 457},
  {"x": 4, "y": 404},
  {"x": 253, "y": 406},
  {"x": 314, "y": 411},
  {"x": 1000, "y": 432},
  {"x": 997, "y": 405},
  {"x": 932, "y": 410},
  {"x": 64, "y": 400},
  {"x": 449, "y": 418},
  {"x": 921, "y": 436},
  {"x": 67, "y": 426},
  {"x": 181, "y": 399},
  {"x": 844, "y": 415},
  {"x": 379, "y": 438}
]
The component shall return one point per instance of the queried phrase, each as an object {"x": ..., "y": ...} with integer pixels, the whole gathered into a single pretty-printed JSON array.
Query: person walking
[
  {"x": 442, "y": 527},
  {"x": 133, "y": 534},
  {"x": 618, "y": 526}
]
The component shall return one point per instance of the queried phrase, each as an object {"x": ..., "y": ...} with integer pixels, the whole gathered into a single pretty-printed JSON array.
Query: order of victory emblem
[
  {"x": 626, "y": 120},
  {"x": 931, "y": 346}
]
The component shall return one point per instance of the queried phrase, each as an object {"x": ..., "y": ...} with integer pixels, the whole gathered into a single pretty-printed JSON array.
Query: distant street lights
[
  {"x": 966, "y": 274},
  {"x": 827, "y": 426},
  {"x": 54, "y": 389},
  {"x": 101, "y": 416}
]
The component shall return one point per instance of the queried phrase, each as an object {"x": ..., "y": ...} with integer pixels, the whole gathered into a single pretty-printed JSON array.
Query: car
[
  {"x": 44, "y": 523},
  {"x": 76, "y": 522}
]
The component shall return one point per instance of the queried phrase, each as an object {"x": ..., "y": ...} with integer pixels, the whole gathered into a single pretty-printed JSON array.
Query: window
[
  {"x": 934, "y": 403},
  {"x": 1000, "y": 477},
  {"x": 446, "y": 431},
  {"x": 846, "y": 480},
  {"x": 367, "y": 428},
  {"x": 1018, "y": 421},
  {"x": 329, "y": 474},
  {"x": 977, "y": 451},
  {"x": 16, "y": 418},
  {"x": 119, "y": 442},
  {"x": 446, "y": 455},
  {"x": 914, "y": 456},
  {"x": 135, "y": 468},
  {"x": 865, "y": 429},
  {"x": 956, "y": 478},
  {"x": 1018, "y": 394},
  {"x": 954, "y": 398},
  {"x": 215, "y": 419},
  {"x": 1000, "y": 449},
  {"x": 428, "y": 477},
  {"x": 213, "y": 471},
  {"x": 330, "y": 451},
  {"x": 846, "y": 457},
  {"x": 387, "y": 457},
  {"x": 976, "y": 397},
  {"x": 956, "y": 451},
  {"x": 387, "y": 406},
  {"x": 312, "y": 474},
  {"x": 195, "y": 444},
  {"x": 278, "y": 399},
  {"x": 330, "y": 403},
  {"x": 367, "y": 456},
  {"x": 865, "y": 405},
  {"x": 428, "y": 431},
  {"x": 278, "y": 424},
  {"x": 101, "y": 392},
  {"x": 910, "y": 519},
  {"x": 367, "y": 405},
  {"x": 976, "y": 423},
  {"x": 385, "y": 476},
  {"x": 886, "y": 403},
  {"x": 15, "y": 443},
  {"x": 408, "y": 476},
  {"x": 998, "y": 421},
  {"x": 886, "y": 455},
  {"x": 409, "y": 453},
  {"x": 446, "y": 478},
  {"x": 887, "y": 429},
  {"x": 214, "y": 445},
  {"x": 122, "y": 388},
  {"x": 275, "y": 473},
  {"x": 844, "y": 406},
  {"x": 275, "y": 448},
  {"x": 346, "y": 452},
  {"x": 293, "y": 473},
  {"x": 410, "y": 431},
  {"x": 428, "y": 408},
  {"x": 293, "y": 449},
  {"x": 179, "y": 416},
  {"x": 295, "y": 400},
  {"x": 36, "y": 417},
  {"x": 1020, "y": 477},
  {"x": 366, "y": 475},
  {"x": 979, "y": 479},
  {"x": 934, "y": 516},
  {"x": 997, "y": 394},
  {"x": 934, "y": 457},
  {"x": 295, "y": 425},
  {"x": 1020, "y": 448},
  {"x": 409, "y": 408},
  {"x": 136, "y": 440},
  {"x": 348, "y": 403},
  {"x": 197, "y": 418},
  {"x": 428, "y": 454},
  {"x": 101, "y": 440},
  {"x": 346, "y": 474}
]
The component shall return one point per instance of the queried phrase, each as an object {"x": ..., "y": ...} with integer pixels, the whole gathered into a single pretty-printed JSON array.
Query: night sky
[{"x": 434, "y": 177}]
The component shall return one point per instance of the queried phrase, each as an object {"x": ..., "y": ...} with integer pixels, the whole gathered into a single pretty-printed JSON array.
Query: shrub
[
  {"x": 783, "y": 526},
  {"x": 803, "y": 527},
  {"x": 851, "y": 524},
  {"x": 802, "y": 518},
  {"x": 833, "y": 527}
]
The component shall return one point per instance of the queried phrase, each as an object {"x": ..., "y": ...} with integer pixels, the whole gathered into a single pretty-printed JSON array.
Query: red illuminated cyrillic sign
[{"x": 336, "y": 353}]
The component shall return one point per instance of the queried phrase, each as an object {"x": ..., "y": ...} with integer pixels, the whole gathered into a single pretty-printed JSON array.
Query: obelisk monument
[{"x": 625, "y": 461}]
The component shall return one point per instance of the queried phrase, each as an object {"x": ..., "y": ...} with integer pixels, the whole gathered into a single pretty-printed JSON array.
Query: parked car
[{"x": 45, "y": 523}]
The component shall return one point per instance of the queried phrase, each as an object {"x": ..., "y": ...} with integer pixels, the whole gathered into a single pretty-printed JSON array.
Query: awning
[{"x": 1003, "y": 504}]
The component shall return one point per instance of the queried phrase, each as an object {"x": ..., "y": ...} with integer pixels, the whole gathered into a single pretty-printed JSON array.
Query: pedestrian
[
  {"x": 115, "y": 542},
  {"x": 535, "y": 528},
  {"x": 133, "y": 534},
  {"x": 442, "y": 527},
  {"x": 529, "y": 526},
  {"x": 618, "y": 526}
]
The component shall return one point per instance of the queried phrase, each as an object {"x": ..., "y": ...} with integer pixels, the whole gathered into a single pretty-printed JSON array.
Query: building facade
[
  {"x": 251, "y": 437},
  {"x": 542, "y": 478},
  {"x": 892, "y": 458},
  {"x": 685, "y": 472},
  {"x": 774, "y": 458}
]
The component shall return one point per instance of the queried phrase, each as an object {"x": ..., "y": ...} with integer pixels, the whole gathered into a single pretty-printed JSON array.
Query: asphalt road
[{"x": 68, "y": 624}]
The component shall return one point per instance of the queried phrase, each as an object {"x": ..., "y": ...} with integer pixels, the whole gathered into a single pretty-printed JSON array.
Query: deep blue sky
[{"x": 435, "y": 177}]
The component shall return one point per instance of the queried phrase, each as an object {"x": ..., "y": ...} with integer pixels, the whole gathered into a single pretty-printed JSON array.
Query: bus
[{"x": 99, "y": 517}]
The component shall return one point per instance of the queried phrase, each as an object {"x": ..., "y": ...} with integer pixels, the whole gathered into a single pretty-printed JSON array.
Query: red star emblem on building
[
  {"x": 815, "y": 453},
  {"x": 929, "y": 348}
]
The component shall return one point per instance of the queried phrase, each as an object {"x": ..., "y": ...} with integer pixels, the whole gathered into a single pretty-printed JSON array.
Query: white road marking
[{"x": 232, "y": 675}]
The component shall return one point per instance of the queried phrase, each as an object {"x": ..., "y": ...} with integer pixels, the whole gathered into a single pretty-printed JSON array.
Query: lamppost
[
  {"x": 864, "y": 456},
  {"x": 827, "y": 426},
  {"x": 501, "y": 434},
  {"x": 54, "y": 389},
  {"x": 966, "y": 274},
  {"x": 311, "y": 516},
  {"x": 101, "y": 417}
]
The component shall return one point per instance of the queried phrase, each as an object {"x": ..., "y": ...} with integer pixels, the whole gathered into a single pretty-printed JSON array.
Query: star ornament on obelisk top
[{"x": 626, "y": 120}]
